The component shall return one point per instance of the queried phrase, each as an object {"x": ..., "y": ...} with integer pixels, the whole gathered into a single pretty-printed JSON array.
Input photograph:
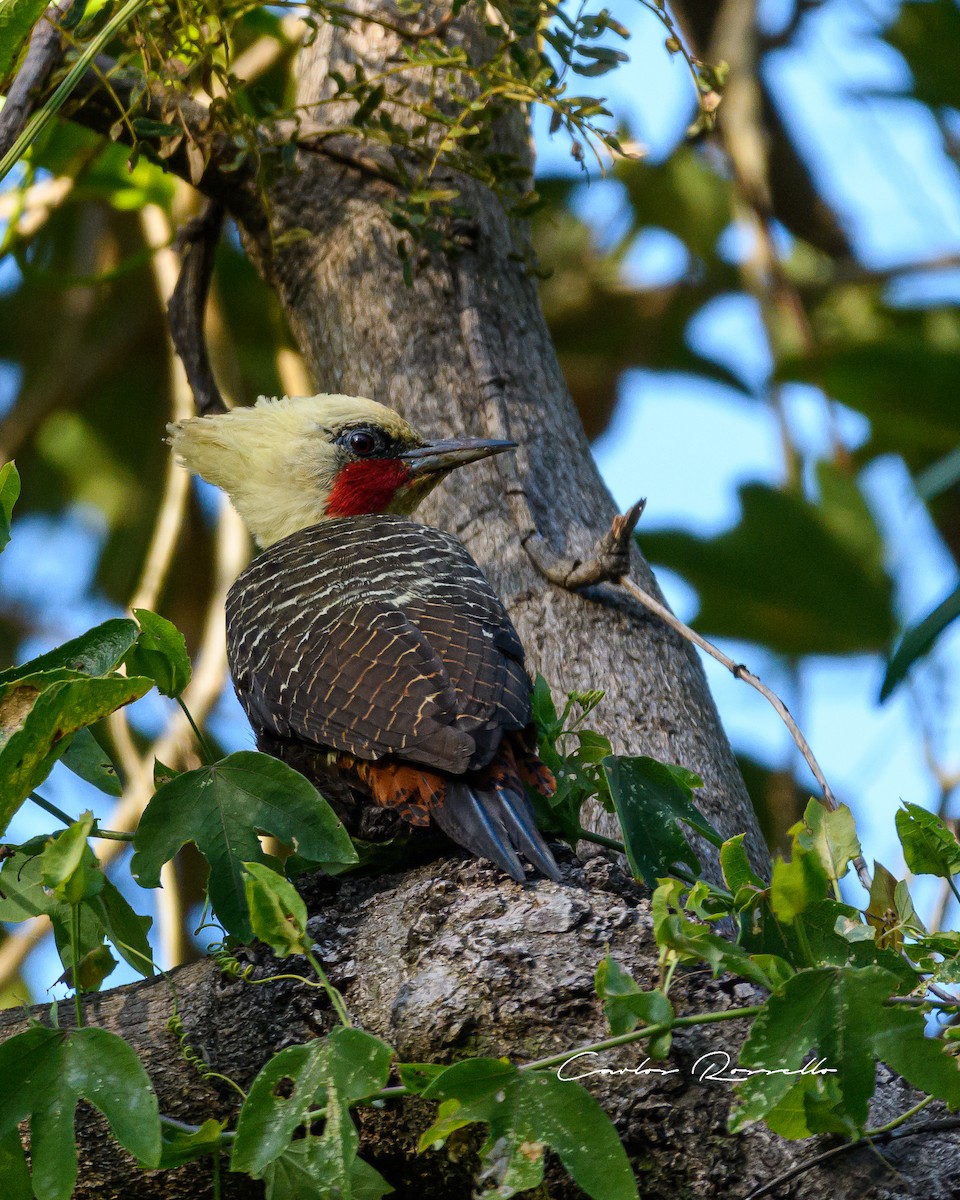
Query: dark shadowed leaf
[
  {"x": 159, "y": 652},
  {"x": 526, "y": 1111},
  {"x": 927, "y": 34},
  {"x": 96, "y": 652},
  {"x": 221, "y": 808},
  {"x": 652, "y": 800},
  {"x": 47, "y": 1071},
  {"x": 87, "y": 758},
  {"x": 918, "y": 641}
]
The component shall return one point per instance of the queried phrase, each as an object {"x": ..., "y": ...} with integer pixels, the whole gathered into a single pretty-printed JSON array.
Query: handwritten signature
[{"x": 714, "y": 1067}]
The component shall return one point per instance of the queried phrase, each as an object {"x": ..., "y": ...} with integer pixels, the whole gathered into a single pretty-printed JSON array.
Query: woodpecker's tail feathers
[{"x": 497, "y": 823}]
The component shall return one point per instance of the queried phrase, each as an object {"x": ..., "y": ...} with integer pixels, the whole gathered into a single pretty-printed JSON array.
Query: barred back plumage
[{"x": 381, "y": 641}]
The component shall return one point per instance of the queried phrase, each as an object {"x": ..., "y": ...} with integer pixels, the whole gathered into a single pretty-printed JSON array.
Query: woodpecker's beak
[{"x": 437, "y": 457}]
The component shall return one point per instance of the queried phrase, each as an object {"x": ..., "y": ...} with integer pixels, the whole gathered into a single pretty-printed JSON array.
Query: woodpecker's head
[{"x": 287, "y": 464}]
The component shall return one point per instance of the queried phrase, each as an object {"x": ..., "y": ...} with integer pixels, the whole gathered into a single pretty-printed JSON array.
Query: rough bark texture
[{"x": 450, "y": 958}]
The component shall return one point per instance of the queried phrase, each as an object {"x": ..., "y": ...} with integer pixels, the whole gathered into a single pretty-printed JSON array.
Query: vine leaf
[
  {"x": 278, "y": 916},
  {"x": 929, "y": 848},
  {"x": 332, "y": 1072},
  {"x": 47, "y": 1071},
  {"x": 626, "y": 1005},
  {"x": 96, "y": 652},
  {"x": 301, "y": 1172},
  {"x": 179, "y": 1147},
  {"x": 38, "y": 713},
  {"x": 652, "y": 799},
  {"x": 160, "y": 653},
  {"x": 831, "y": 835},
  {"x": 68, "y": 869},
  {"x": 840, "y": 1016},
  {"x": 221, "y": 808},
  {"x": 87, "y": 758},
  {"x": 107, "y": 913},
  {"x": 13, "y": 1168},
  {"x": 526, "y": 1111}
]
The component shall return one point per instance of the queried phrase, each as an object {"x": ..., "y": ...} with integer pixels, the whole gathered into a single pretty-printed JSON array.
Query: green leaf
[
  {"x": 23, "y": 895},
  {"x": 832, "y": 836},
  {"x": 145, "y": 127},
  {"x": 544, "y": 709},
  {"x": 87, "y": 758},
  {"x": 9, "y": 478},
  {"x": 179, "y": 1147},
  {"x": 929, "y": 848},
  {"x": 221, "y": 808},
  {"x": 278, "y": 916},
  {"x": 651, "y": 801},
  {"x": 68, "y": 868},
  {"x": 824, "y": 591},
  {"x": 126, "y": 929},
  {"x": 737, "y": 872},
  {"x": 840, "y": 1016},
  {"x": 92, "y": 969},
  {"x": 918, "y": 641},
  {"x": 13, "y": 1168},
  {"x": 626, "y": 1006},
  {"x": 797, "y": 884},
  {"x": 46, "y": 1072},
  {"x": 17, "y": 19},
  {"x": 36, "y": 720},
  {"x": 96, "y": 652},
  {"x": 526, "y": 1111},
  {"x": 881, "y": 914},
  {"x": 303, "y": 1170},
  {"x": 416, "y": 1076},
  {"x": 160, "y": 653},
  {"x": 333, "y": 1072}
]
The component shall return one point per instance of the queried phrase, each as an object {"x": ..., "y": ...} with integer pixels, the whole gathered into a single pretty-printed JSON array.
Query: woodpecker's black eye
[{"x": 362, "y": 442}]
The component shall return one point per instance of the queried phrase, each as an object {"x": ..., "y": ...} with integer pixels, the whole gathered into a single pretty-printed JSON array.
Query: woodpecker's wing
[{"x": 375, "y": 636}]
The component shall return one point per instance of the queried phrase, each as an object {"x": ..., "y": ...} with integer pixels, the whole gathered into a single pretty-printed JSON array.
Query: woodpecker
[{"x": 369, "y": 651}]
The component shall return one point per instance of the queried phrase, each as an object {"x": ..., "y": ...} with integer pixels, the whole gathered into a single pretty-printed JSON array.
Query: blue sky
[{"x": 869, "y": 152}]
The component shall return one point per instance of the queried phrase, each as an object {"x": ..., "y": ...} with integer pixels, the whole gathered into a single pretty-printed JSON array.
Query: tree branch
[{"x": 44, "y": 56}]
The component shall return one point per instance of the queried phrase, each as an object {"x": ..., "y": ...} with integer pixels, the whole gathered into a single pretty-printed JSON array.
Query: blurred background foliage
[{"x": 759, "y": 327}]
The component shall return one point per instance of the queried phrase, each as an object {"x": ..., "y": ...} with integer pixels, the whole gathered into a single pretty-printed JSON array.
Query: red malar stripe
[{"x": 366, "y": 486}]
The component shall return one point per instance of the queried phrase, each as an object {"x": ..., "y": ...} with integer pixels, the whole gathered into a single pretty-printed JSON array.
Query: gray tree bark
[{"x": 452, "y": 959}]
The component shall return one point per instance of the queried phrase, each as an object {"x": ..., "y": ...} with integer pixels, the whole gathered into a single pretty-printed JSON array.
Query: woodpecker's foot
[{"x": 610, "y": 562}]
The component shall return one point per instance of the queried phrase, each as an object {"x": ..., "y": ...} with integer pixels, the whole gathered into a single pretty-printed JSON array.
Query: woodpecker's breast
[{"x": 377, "y": 636}]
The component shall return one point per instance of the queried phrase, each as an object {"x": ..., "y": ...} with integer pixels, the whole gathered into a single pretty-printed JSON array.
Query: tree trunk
[
  {"x": 363, "y": 331},
  {"x": 453, "y": 959}
]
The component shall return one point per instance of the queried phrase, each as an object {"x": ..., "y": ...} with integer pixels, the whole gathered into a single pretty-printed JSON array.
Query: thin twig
[
  {"x": 188, "y": 303},
  {"x": 44, "y": 56},
  {"x": 740, "y": 671},
  {"x": 943, "y": 1125}
]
